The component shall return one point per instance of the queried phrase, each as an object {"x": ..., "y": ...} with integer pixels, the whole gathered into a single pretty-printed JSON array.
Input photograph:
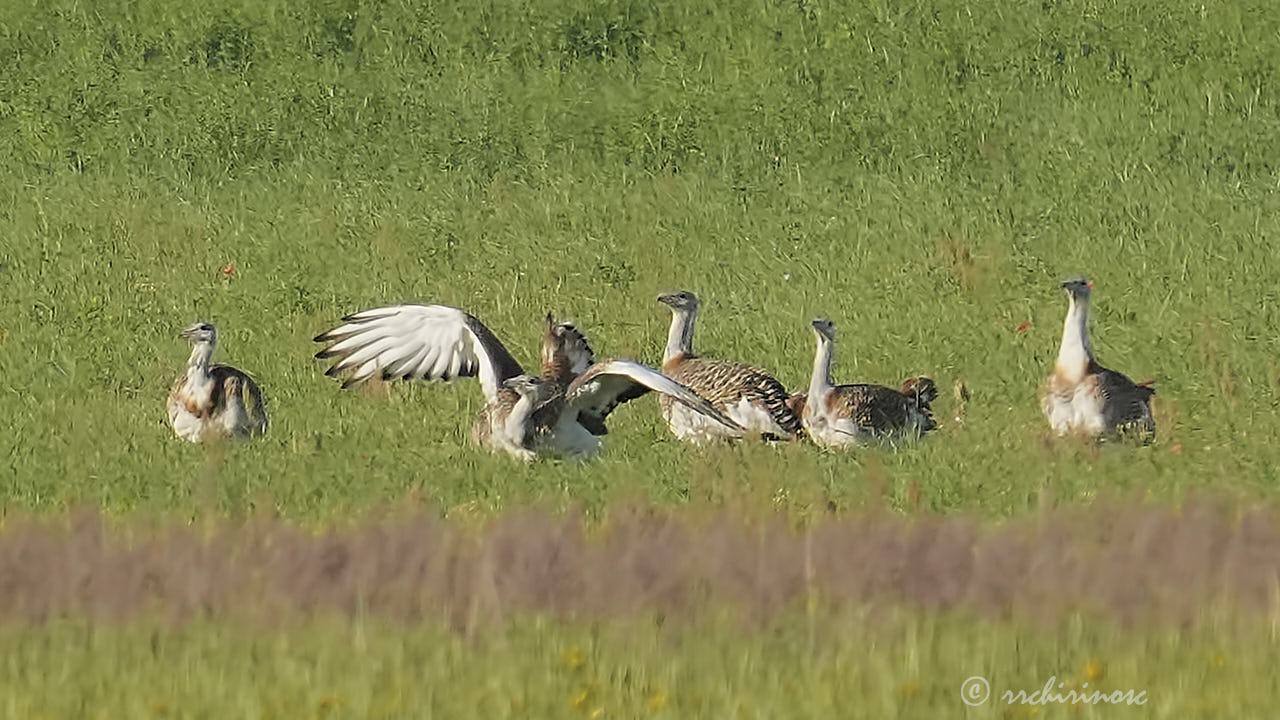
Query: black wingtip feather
[{"x": 593, "y": 423}]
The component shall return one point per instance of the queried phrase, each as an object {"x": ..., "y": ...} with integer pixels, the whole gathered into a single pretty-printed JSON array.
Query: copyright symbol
[{"x": 975, "y": 691}]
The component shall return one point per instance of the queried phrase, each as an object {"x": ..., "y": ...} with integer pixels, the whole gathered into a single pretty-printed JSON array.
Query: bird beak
[{"x": 1089, "y": 284}]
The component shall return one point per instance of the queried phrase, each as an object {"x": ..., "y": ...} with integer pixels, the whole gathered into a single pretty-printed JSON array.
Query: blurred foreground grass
[{"x": 891, "y": 665}]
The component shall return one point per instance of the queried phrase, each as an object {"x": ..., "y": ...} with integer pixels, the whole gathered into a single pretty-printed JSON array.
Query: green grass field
[{"x": 925, "y": 174}]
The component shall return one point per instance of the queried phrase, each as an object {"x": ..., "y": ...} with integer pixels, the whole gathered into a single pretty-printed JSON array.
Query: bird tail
[
  {"x": 566, "y": 353},
  {"x": 254, "y": 405},
  {"x": 922, "y": 391},
  {"x": 797, "y": 402}
]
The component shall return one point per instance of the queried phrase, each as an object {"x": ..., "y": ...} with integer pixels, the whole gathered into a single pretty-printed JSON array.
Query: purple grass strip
[{"x": 1126, "y": 561}]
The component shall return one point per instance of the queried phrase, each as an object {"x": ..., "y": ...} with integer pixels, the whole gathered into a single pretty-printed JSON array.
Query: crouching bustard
[
  {"x": 840, "y": 416},
  {"x": 1083, "y": 397},
  {"x": 213, "y": 401},
  {"x": 560, "y": 412},
  {"x": 755, "y": 400}
]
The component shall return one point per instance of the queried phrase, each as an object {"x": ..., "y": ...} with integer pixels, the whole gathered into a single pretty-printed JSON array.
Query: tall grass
[{"x": 923, "y": 174}]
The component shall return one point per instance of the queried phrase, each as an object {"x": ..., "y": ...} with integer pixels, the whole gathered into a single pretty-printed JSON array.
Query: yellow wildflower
[
  {"x": 573, "y": 658},
  {"x": 1093, "y": 670},
  {"x": 656, "y": 701}
]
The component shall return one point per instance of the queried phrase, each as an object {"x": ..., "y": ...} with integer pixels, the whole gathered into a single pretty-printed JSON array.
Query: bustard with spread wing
[
  {"x": 213, "y": 401},
  {"x": 839, "y": 416},
  {"x": 752, "y": 398},
  {"x": 1083, "y": 397},
  {"x": 562, "y": 412}
]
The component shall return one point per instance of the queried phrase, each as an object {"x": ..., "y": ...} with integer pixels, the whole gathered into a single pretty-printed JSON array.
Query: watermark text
[{"x": 976, "y": 691}]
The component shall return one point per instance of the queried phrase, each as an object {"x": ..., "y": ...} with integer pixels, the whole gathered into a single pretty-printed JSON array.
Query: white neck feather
[
  {"x": 201, "y": 355},
  {"x": 518, "y": 419},
  {"x": 680, "y": 336},
  {"x": 1076, "y": 352},
  {"x": 820, "y": 381}
]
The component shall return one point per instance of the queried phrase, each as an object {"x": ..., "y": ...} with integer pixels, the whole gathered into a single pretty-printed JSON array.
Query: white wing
[
  {"x": 417, "y": 342},
  {"x": 607, "y": 384}
]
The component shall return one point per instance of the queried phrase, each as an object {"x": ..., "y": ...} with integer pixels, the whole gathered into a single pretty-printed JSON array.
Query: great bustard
[
  {"x": 843, "y": 415},
  {"x": 754, "y": 399},
  {"x": 1083, "y": 397},
  {"x": 212, "y": 401},
  {"x": 560, "y": 413}
]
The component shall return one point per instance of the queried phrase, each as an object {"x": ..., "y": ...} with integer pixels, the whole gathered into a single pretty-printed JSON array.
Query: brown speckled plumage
[
  {"x": 796, "y": 403},
  {"x": 922, "y": 391},
  {"x": 1081, "y": 396},
  {"x": 210, "y": 401},
  {"x": 876, "y": 409},
  {"x": 566, "y": 354},
  {"x": 841, "y": 416},
  {"x": 752, "y": 397},
  {"x": 223, "y": 377},
  {"x": 725, "y": 384},
  {"x": 496, "y": 411},
  {"x": 1125, "y": 405}
]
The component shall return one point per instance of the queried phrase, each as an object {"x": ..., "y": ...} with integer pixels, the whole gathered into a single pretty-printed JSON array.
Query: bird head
[
  {"x": 199, "y": 333},
  {"x": 528, "y": 386},
  {"x": 1078, "y": 288},
  {"x": 825, "y": 328},
  {"x": 682, "y": 300}
]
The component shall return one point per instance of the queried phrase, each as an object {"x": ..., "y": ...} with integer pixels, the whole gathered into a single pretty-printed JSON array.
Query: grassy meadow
[{"x": 925, "y": 174}]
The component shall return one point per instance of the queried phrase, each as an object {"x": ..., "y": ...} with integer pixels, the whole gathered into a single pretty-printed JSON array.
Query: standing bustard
[
  {"x": 1083, "y": 397},
  {"x": 754, "y": 399},
  {"x": 560, "y": 413},
  {"x": 836, "y": 417},
  {"x": 210, "y": 401}
]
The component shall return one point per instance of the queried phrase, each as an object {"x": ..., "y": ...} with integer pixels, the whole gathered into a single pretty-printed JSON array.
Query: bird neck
[
  {"x": 680, "y": 336},
  {"x": 201, "y": 354},
  {"x": 820, "y": 381},
  {"x": 1076, "y": 352},
  {"x": 518, "y": 419}
]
